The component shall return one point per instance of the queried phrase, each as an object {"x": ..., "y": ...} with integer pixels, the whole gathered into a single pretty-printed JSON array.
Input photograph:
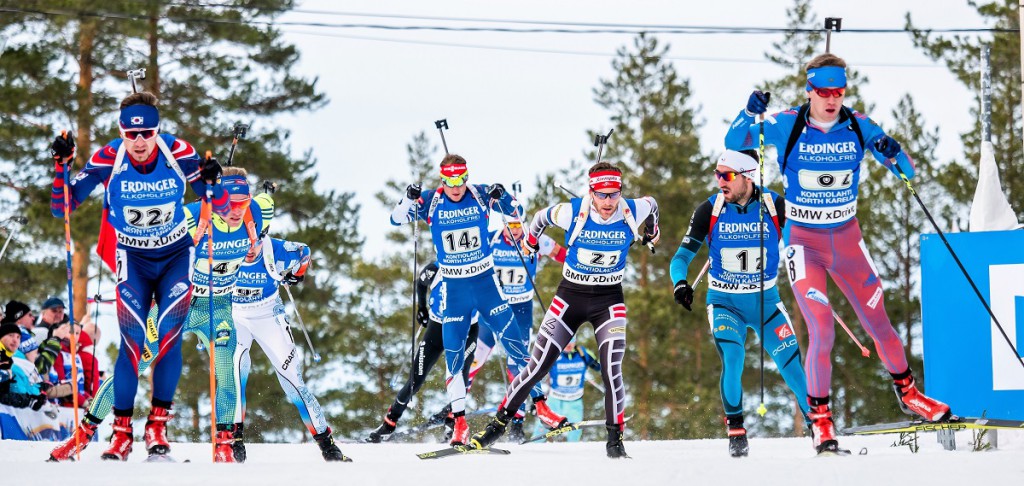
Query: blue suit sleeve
[{"x": 872, "y": 132}]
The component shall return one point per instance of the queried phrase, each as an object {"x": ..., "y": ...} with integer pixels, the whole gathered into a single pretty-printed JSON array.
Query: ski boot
[
  {"x": 121, "y": 441},
  {"x": 156, "y": 431},
  {"x": 823, "y": 430},
  {"x": 449, "y": 426},
  {"x": 66, "y": 451},
  {"x": 913, "y": 402},
  {"x": 494, "y": 430},
  {"x": 460, "y": 431},
  {"x": 515, "y": 430},
  {"x": 550, "y": 419},
  {"x": 614, "y": 446},
  {"x": 384, "y": 430},
  {"x": 238, "y": 447},
  {"x": 328, "y": 448},
  {"x": 738, "y": 446},
  {"x": 225, "y": 439}
]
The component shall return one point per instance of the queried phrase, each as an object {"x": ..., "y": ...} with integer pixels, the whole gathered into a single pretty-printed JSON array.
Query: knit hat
[
  {"x": 15, "y": 310},
  {"x": 9, "y": 328}
]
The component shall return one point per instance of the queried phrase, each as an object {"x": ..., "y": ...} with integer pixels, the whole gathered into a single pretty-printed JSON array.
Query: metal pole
[
  {"x": 1020, "y": 10},
  {"x": 986, "y": 94}
]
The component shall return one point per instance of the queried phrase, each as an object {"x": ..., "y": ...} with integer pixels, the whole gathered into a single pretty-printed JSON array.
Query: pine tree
[{"x": 962, "y": 55}]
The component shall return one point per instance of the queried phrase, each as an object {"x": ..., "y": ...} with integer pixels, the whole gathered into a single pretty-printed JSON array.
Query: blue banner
[{"x": 968, "y": 362}]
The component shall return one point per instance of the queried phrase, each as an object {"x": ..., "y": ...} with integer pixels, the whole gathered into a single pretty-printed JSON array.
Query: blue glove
[
  {"x": 888, "y": 147},
  {"x": 758, "y": 102}
]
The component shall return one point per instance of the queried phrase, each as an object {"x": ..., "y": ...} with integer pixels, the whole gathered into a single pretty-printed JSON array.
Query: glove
[
  {"x": 496, "y": 191},
  {"x": 684, "y": 294},
  {"x": 269, "y": 187},
  {"x": 292, "y": 280},
  {"x": 63, "y": 148},
  {"x": 758, "y": 102},
  {"x": 413, "y": 192},
  {"x": 652, "y": 237},
  {"x": 888, "y": 147},
  {"x": 422, "y": 316},
  {"x": 210, "y": 170},
  {"x": 37, "y": 402},
  {"x": 530, "y": 245}
]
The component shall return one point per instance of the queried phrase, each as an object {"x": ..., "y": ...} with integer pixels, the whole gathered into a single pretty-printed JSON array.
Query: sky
[{"x": 515, "y": 114}]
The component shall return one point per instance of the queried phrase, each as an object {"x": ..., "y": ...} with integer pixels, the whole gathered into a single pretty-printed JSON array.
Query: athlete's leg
[
  {"x": 524, "y": 317},
  {"x": 779, "y": 342},
  {"x": 427, "y": 353},
  {"x": 224, "y": 345},
  {"x": 484, "y": 347},
  {"x": 808, "y": 253},
  {"x": 134, "y": 296},
  {"x": 172, "y": 295},
  {"x": 730, "y": 334},
  {"x": 272, "y": 333},
  {"x": 244, "y": 320},
  {"x": 609, "y": 320},
  {"x": 855, "y": 275},
  {"x": 457, "y": 309},
  {"x": 572, "y": 410}
]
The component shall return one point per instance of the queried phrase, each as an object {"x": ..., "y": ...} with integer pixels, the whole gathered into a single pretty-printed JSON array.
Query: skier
[
  {"x": 568, "y": 379},
  {"x": 821, "y": 145},
  {"x": 728, "y": 221},
  {"x": 599, "y": 229},
  {"x": 457, "y": 214},
  {"x": 259, "y": 314},
  {"x": 233, "y": 235},
  {"x": 516, "y": 278},
  {"x": 428, "y": 314},
  {"x": 145, "y": 174}
]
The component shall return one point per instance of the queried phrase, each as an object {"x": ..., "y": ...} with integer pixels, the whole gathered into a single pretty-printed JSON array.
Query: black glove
[
  {"x": 37, "y": 402},
  {"x": 413, "y": 192},
  {"x": 63, "y": 147},
  {"x": 210, "y": 170},
  {"x": 888, "y": 147},
  {"x": 758, "y": 102},
  {"x": 496, "y": 191},
  {"x": 422, "y": 316},
  {"x": 684, "y": 294},
  {"x": 291, "y": 280},
  {"x": 269, "y": 187}
]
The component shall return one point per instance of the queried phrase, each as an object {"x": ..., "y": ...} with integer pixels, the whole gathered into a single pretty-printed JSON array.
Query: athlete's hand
[
  {"x": 269, "y": 187},
  {"x": 422, "y": 316},
  {"x": 758, "y": 102},
  {"x": 63, "y": 148},
  {"x": 413, "y": 192},
  {"x": 888, "y": 147},
  {"x": 496, "y": 191},
  {"x": 651, "y": 237},
  {"x": 684, "y": 294},
  {"x": 291, "y": 280},
  {"x": 530, "y": 245},
  {"x": 210, "y": 170}
]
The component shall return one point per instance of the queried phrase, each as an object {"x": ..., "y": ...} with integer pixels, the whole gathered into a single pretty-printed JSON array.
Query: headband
[
  {"x": 235, "y": 184},
  {"x": 454, "y": 170},
  {"x": 739, "y": 162},
  {"x": 139, "y": 116},
  {"x": 606, "y": 179},
  {"x": 826, "y": 77}
]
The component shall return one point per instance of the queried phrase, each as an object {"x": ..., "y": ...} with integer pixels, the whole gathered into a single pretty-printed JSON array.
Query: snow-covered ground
[{"x": 697, "y": 462}]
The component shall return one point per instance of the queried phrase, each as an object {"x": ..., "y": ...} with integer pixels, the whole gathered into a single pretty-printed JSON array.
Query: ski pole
[
  {"x": 707, "y": 265},
  {"x": 21, "y": 221},
  {"x": 952, "y": 253},
  {"x": 414, "y": 334},
  {"x": 238, "y": 133},
  {"x": 441, "y": 126},
  {"x": 134, "y": 75},
  {"x": 863, "y": 351},
  {"x": 760, "y": 231},
  {"x": 71, "y": 298},
  {"x": 212, "y": 338},
  {"x": 298, "y": 315}
]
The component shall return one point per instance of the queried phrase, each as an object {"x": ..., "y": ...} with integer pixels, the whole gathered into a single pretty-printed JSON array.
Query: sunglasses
[
  {"x": 135, "y": 134},
  {"x": 730, "y": 175},
  {"x": 240, "y": 203},
  {"x": 515, "y": 225},
  {"x": 607, "y": 195},
  {"x": 455, "y": 181},
  {"x": 828, "y": 92}
]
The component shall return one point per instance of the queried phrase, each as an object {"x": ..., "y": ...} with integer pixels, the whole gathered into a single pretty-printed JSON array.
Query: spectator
[
  {"x": 10, "y": 339},
  {"x": 42, "y": 356},
  {"x": 88, "y": 372},
  {"x": 52, "y": 313}
]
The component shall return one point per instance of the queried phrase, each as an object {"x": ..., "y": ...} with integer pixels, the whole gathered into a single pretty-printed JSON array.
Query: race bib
[
  {"x": 511, "y": 276},
  {"x": 602, "y": 259},
  {"x": 149, "y": 216},
  {"x": 461, "y": 240},
  {"x": 821, "y": 180},
  {"x": 742, "y": 260}
]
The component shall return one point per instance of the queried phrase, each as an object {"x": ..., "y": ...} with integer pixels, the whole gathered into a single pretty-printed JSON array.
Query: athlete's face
[
  {"x": 254, "y": 251},
  {"x": 825, "y": 109},
  {"x": 606, "y": 201},
  {"x": 238, "y": 207},
  {"x": 516, "y": 230},
  {"x": 454, "y": 193},
  {"x": 738, "y": 189},
  {"x": 139, "y": 148}
]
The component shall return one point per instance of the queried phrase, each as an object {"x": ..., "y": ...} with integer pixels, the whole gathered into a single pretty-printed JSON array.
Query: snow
[{"x": 772, "y": 461}]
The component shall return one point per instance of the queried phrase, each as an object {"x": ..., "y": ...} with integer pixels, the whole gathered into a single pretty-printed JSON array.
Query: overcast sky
[{"x": 383, "y": 91}]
